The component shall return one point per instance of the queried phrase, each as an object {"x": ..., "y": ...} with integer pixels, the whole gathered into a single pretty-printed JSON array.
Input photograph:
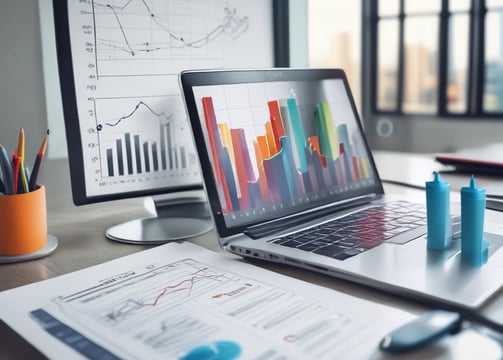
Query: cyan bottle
[
  {"x": 474, "y": 247},
  {"x": 438, "y": 214}
]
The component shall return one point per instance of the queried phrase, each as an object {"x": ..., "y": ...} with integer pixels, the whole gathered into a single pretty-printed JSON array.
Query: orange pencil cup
[{"x": 23, "y": 222}]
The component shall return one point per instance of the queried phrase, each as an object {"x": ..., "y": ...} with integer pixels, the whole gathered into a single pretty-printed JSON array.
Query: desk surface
[
  {"x": 82, "y": 243},
  {"x": 81, "y": 229}
]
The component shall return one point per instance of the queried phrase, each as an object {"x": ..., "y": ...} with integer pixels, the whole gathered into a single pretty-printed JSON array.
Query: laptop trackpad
[
  {"x": 495, "y": 242},
  {"x": 407, "y": 236}
]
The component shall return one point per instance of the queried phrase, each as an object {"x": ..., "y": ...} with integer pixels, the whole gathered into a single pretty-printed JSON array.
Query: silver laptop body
[{"x": 290, "y": 179}]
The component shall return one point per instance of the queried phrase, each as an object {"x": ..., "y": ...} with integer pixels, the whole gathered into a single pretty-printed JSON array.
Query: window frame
[
  {"x": 475, "y": 66},
  {"x": 281, "y": 31}
]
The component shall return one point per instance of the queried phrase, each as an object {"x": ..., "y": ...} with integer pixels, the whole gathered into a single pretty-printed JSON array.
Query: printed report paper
[{"x": 181, "y": 301}]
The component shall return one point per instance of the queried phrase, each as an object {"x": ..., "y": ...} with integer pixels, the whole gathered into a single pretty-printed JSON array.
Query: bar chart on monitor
[
  {"x": 147, "y": 142},
  {"x": 127, "y": 57}
]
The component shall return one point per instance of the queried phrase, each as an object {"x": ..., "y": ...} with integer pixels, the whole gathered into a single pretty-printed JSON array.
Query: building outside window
[
  {"x": 441, "y": 57},
  {"x": 334, "y": 38}
]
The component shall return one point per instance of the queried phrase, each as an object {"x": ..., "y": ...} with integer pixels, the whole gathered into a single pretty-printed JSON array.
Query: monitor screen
[
  {"x": 277, "y": 142},
  {"x": 125, "y": 121},
  {"x": 312, "y": 123}
]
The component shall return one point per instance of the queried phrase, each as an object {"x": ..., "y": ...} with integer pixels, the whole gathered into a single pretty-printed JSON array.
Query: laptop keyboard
[{"x": 397, "y": 222}]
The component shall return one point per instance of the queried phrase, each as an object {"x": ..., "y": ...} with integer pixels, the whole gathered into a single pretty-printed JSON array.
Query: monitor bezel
[{"x": 71, "y": 121}]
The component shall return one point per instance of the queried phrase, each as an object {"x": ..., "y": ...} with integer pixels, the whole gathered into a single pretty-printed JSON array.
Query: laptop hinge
[{"x": 278, "y": 225}]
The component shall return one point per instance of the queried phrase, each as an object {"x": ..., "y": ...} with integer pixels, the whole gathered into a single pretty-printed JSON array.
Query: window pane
[
  {"x": 421, "y": 65},
  {"x": 459, "y": 5},
  {"x": 387, "y": 75},
  {"x": 494, "y": 3},
  {"x": 416, "y": 7},
  {"x": 493, "y": 67},
  {"x": 457, "y": 64},
  {"x": 334, "y": 35},
  {"x": 389, "y": 7}
]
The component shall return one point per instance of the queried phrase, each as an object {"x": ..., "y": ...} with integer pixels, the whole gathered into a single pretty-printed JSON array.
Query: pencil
[
  {"x": 16, "y": 162},
  {"x": 20, "y": 144},
  {"x": 8, "y": 173},
  {"x": 38, "y": 161},
  {"x": 20, "y": 156}
]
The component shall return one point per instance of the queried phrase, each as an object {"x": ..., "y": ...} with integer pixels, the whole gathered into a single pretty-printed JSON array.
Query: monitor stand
[{"x": 178, "y": 216}]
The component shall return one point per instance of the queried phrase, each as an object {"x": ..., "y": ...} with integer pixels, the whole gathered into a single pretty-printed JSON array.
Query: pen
[
  {"x": 15, "y": 161},
  {"x": 7, "y": 171},
  {"x": 20, "y": 156},
  {"x": 38, "y": 160},
  {"x": 23, "y": 179},
  {"x": 20, "y": 144}
]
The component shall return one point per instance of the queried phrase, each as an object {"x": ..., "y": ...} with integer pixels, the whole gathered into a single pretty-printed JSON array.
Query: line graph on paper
[
  {"x": 128, "y": 301},
  {"x": 163, "y": 311},
  {"x": 140, "y": 37},
  {"x": 160, "y": 309}
]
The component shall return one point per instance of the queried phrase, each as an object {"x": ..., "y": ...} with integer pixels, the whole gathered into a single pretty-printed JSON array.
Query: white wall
[
  {"x": 22, "y": 92},
  {"x": 22, "y": 99},
  {"x": 298, "y": 33},
  {"x": 426, "y": 135}
]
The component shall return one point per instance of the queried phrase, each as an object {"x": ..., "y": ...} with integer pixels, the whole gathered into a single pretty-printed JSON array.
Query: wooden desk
[{"x": 82, "y": 243}]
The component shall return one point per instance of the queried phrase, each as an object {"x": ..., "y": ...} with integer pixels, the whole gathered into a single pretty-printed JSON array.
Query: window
[
  {"x": 493, "y": 58},
  {"x": 334, "y": 33},
  {"x": 437, "y": 57}
]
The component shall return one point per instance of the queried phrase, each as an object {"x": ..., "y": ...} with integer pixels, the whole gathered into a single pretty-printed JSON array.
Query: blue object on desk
[
  {"x": 438, "y": 214},
  {"x": 421, "y": 331},
  {"x": 474, "y": 248}
]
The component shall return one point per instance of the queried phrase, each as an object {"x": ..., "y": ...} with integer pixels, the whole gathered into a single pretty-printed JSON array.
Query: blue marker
[
  {"x": 474, "y": 248},
  {"x": 438, "y": 214}
]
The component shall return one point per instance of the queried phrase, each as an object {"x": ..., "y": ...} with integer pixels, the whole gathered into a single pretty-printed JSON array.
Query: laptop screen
[{"x": 273, "y": 143}]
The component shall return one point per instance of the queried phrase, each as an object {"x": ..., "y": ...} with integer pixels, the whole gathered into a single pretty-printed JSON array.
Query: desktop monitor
[{"x": 125, "y": 122}]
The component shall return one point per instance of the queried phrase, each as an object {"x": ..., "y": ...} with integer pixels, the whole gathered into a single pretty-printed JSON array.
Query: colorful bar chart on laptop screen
[{"x": 283, "y": 143}]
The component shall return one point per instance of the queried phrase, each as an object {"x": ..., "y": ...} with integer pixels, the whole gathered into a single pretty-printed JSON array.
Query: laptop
[
  {"x": 484, "y": 159},
  {"x": 290, "y": 179}
]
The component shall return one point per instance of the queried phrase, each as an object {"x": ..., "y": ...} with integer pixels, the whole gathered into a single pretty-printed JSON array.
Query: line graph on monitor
[
  {"x": 128, "y": 55},
  {"x": 140, "y": 37}
]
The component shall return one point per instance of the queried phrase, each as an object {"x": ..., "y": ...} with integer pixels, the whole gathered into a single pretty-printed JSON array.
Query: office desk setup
[{"x": 80, "y": 231}]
